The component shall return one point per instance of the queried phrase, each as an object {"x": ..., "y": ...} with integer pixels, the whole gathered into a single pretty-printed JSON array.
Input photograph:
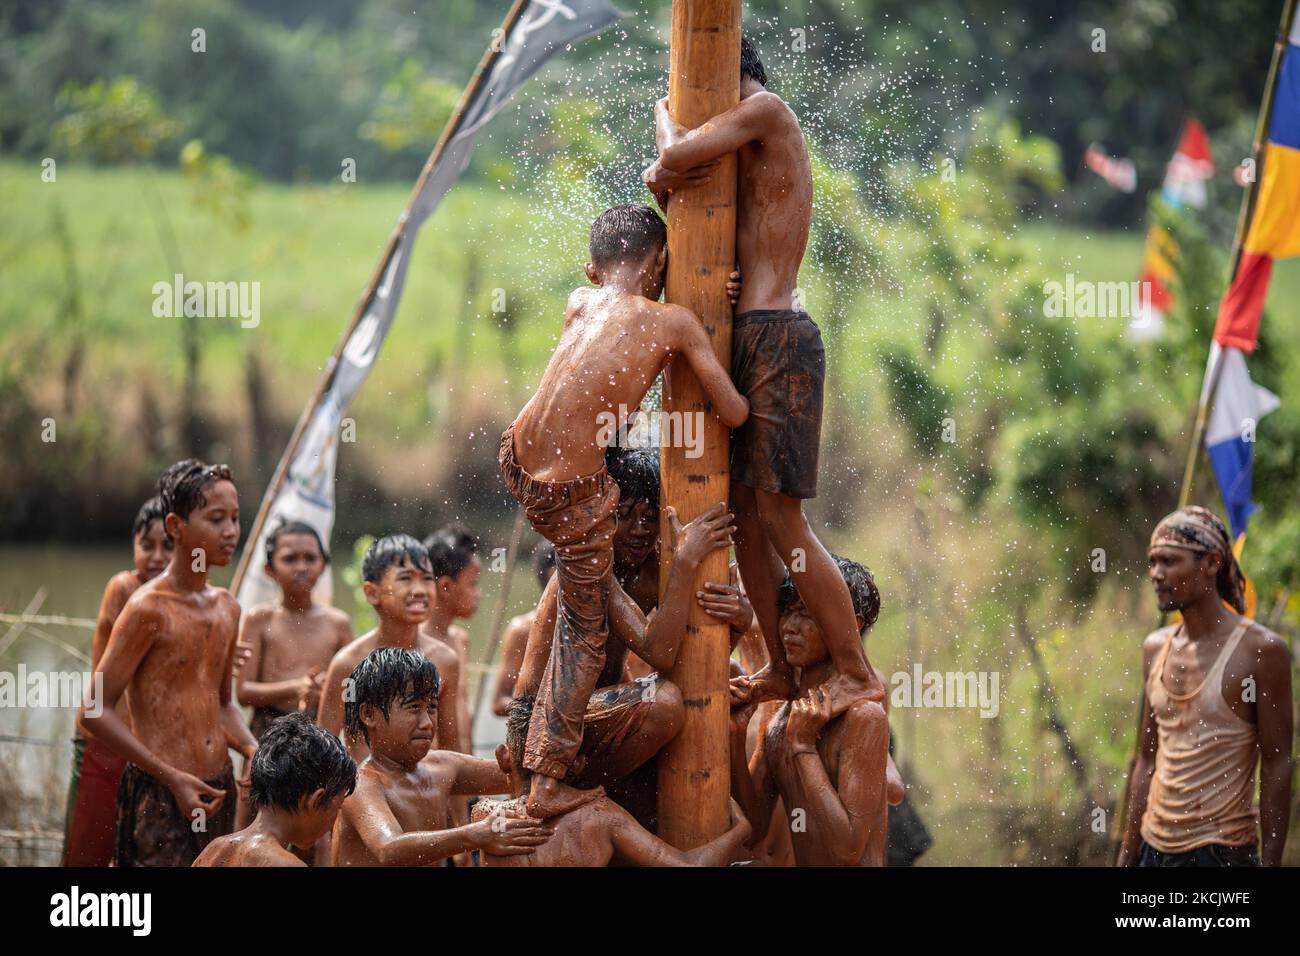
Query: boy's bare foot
[
  {"x": 843, "y": 691},
  {"x": 765, "y": 684},
  {"x": 548, "y": 797}
]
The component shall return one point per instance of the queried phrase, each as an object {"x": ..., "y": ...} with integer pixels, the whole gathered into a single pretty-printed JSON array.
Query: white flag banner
[{"x": 543, "y": 28}]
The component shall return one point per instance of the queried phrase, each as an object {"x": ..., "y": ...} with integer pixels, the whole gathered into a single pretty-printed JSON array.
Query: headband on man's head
[{"x": 1199, "y": 530}]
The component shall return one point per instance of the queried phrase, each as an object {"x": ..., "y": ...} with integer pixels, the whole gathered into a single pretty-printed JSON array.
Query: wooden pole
[
  {"x": 703, "y": 80},
  {"x": 282, "y": 469},
  {"x": 498, "y": 615}
]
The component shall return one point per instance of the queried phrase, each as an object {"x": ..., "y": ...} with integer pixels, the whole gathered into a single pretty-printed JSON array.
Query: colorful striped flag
[{"x": 1275, "y": 225}]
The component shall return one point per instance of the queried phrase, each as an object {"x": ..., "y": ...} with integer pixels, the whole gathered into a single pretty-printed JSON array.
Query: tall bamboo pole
[{"x": 704, "y": 80}]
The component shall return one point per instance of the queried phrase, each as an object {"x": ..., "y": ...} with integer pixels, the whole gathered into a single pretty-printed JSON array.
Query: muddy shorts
[
  {"x": 613, "y": 715},
  {"x": 152, "y": 831},
  {"x": 1212, "y": 854},
  {"x": 779, "y": 364},
  {"x": 577, "y": 516}
]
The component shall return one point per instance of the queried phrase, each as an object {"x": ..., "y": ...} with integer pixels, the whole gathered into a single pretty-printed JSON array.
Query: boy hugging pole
[{"x": 703, "y": 80}]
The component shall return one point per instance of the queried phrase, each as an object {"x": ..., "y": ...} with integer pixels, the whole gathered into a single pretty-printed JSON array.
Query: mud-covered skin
[
  {"x": 577, "y": 516},
  {"x": 779, "y": 364}
]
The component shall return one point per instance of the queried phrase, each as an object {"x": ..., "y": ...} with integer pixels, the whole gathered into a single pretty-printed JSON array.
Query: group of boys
[{"x": 586, "y": 709}]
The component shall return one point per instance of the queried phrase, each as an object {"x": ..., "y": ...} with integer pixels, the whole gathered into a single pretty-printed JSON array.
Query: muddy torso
[{"x": 774, "y": 199}]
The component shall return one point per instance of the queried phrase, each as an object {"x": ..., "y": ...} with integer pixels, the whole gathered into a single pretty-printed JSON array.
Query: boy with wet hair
[
  {"x": 616, "y": 339},
  {"x": 779, "y": 365},
  {"x": 398, "y": 583},
  {"x": 96, "y": 769},
  {"x": 453, "y": 554},
  {"x": 596, "y": 833},
  {"x": 291, "y": 643},
  {"x": 171, "y": 652},
  {"x": 398, "y": 814},
  {"x": 834, "y": 767},
  {"x": 300, "y": 778}
]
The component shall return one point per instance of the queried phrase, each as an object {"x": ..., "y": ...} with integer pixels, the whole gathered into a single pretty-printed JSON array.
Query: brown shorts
[
  {"x": 613, "y": 714},
  {"x": 152, "y": 831},
  {"x": 577, "y": 516},
  {"x": 779, "y": 364}
]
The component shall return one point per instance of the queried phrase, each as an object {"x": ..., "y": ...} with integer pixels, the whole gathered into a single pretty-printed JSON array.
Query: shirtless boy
[
  {"x": 456, "y": 596},
  {"x": 96, "y": 769},
  {"x": 596, "y": 833},
  {"x": 833, "y": 767},
  {"x": 291, "y": 643},
  {"x": 398, "y": 814},
  {"x": 515, "y": 640},
  {"x": 617, "y": 337},
  {"x": 779, "y": 366},
  {"x": 1202, "y": 735},
  {"x": 170, "y": 653},
  {"x": 398, "y": 583},
  {"x": 301, "y": 775}
]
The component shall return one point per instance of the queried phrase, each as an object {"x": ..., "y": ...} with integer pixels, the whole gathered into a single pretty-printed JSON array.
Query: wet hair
[
  {"x": 390, "y": 551},
  {"x": 636, "y": 472},
  {"x": 388, "y": 674},
  {"x": 451, "y": 549},
  {"x": 517, "y": 720},
  {"x": 750, "y": 64},
  {"x": 626, "y": 233},
  {"x": 292, "y": 527},
  {"x": 151, "y": 511},
  {"x": 862, "y": 592},
  {"x": 182, "y": 485},
  {"x": 543, "y": 562},
  {"x": 294, "y": 759}
]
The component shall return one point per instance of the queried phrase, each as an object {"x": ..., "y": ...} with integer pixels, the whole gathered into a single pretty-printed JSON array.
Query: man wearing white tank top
[{"x": 1218, "y": 699}]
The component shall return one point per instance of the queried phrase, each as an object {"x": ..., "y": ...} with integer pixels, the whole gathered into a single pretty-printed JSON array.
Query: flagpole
[
  {"x": 1244, "y": 217},
  {"x": 295, "y": 439}
]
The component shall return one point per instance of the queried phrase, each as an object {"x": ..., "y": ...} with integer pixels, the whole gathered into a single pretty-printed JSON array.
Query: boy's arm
[
  {"x": 476, "y": 776},
  {"x": 282, "y": 694},
  {"x": 460, "y": 641},
  {"x": 688, "y": 338},
  {"x": 1275, "y": 726},
  {"x": 368, "y": 813},
  {"x": 134, "y": 634},
  {"x": 513, "y": 646},
  {"x": 656, "y": 639},
  {"x": 751, "y": 784},
  {"x": 681, "y": 149},
  {"x": 233, "y": 725},
  {"x": 110, "y": 606},
  {"x": 843, "y": 818},
  {"x": 634, "y": 845},
  {"x": 330, "y": 715},
  {"x": 540, "y": 637}
]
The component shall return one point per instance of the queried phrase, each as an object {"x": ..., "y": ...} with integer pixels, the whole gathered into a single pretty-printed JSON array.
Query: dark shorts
[
  {"x": 1212, "y": 854},
  {"x": 779, "y": 364},
  {"x": 613, "y": 714},
  {"x": 263, "y": 717},
  {"x": 152, "y": 831}
]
